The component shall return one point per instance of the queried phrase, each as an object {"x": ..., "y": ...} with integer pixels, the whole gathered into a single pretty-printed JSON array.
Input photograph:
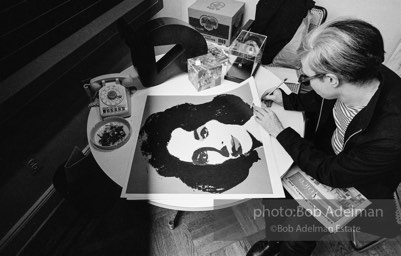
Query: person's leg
[
  {"x": 290, "y": 230},
  {"x": 302, "y": 233},
  {"x": 295, "y": 228},
  {"x": 273, "y": 214}
]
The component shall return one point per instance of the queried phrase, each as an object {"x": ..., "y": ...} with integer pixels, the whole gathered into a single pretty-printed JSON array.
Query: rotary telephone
[{"x": 114, "y": 98}]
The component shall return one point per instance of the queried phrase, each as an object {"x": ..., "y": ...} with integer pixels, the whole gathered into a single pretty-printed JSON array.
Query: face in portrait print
[
  {"x": 194, "y": 143},
  {"x": 209, "y": 144}
]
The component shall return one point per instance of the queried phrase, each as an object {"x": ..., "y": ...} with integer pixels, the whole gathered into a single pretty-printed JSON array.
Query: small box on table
[
  {"x": 246, "y": 51},
  {"x": 218, "y": 52},
  {"x": 204, "y": 72},
  {"x": 218, "y": 21}
]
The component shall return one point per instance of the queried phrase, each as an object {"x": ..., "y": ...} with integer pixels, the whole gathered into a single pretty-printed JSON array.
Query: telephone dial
[{"x": 114, "y": 97}]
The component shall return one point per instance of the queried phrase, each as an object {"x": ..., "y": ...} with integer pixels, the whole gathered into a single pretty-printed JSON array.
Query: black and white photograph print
[{"x": 200, "y": 145}]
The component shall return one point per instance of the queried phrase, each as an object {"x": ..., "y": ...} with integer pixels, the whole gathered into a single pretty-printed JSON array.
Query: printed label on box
[
  {"x": 217, "y": 21},
  {"x": 210, "y": 26}
]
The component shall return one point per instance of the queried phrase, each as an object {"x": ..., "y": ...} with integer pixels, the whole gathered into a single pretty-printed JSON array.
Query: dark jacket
[
  {"x": 279, "y": 20},
  {"x": 371, "y": 158}
]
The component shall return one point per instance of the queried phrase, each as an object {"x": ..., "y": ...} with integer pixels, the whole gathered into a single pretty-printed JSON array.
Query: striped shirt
[{"x": 343, "y": 115}]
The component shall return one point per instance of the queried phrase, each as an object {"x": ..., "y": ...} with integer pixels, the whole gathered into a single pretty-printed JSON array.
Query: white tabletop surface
[{"x": 117, "y": 163}]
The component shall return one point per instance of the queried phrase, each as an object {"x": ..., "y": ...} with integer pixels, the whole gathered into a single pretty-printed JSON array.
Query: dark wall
[
  {"x": 46, "y": 117},
  {"x": 29, "y": 28},
  {"x": 33, "y": 60}
]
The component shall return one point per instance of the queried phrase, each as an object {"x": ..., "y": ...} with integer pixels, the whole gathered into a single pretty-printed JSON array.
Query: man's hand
[
  {"x": 276, "y": 97},
  {"x": 268, "y": 120}
]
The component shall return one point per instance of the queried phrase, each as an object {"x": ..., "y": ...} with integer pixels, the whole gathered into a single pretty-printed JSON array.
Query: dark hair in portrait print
[{"x": 156, "y": 133}]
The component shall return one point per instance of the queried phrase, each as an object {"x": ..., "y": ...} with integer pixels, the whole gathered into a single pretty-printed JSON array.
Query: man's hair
[
  {"x": 156, "y": 133},
  {"x": 352, "y": 49}
]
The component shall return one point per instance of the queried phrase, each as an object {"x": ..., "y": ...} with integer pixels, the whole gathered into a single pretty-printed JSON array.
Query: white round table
[{"x": 117, "y": 163}]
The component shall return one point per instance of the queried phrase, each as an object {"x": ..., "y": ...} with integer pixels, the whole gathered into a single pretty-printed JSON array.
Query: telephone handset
[{"x": 114, "y": 98}]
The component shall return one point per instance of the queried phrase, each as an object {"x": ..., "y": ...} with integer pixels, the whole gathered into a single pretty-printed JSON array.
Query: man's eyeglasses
[{"x": 305, "y": 80}]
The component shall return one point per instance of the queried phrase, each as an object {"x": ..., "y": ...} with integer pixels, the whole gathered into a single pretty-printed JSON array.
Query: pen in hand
[{"x": 268, "y": 103}]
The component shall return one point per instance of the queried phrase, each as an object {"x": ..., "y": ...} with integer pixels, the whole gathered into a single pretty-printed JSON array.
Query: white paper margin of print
[
  {"x": 274, "y": 172},
  {"x": 265, "y": 80},
  {"x": 275, "y": 179}
]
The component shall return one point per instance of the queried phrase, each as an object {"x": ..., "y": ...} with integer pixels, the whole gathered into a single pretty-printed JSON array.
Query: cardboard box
[
  {"x": 205, "y": 72},
  {"x": 218, "y": 21}
]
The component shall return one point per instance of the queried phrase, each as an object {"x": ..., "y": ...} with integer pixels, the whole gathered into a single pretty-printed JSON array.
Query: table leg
[{"x": 173, "y": 222}]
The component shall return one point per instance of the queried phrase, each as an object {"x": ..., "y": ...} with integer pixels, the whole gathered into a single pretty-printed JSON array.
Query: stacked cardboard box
[{"x": 218, "y": 21}]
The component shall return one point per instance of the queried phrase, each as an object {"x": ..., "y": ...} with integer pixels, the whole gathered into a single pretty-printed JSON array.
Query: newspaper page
[{"x": 333, "y": 207}]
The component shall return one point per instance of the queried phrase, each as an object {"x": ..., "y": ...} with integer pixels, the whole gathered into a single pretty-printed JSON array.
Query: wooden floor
[
  {"x": 232, "y": 231},
  {"x": 137, "y": 228}
]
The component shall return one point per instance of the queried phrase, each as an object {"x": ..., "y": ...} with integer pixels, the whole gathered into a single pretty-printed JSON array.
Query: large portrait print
[{"x": 202, "y": 147}]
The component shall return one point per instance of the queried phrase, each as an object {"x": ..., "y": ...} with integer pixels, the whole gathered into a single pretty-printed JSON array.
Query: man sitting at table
[{"x": 356, "y": 140}]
